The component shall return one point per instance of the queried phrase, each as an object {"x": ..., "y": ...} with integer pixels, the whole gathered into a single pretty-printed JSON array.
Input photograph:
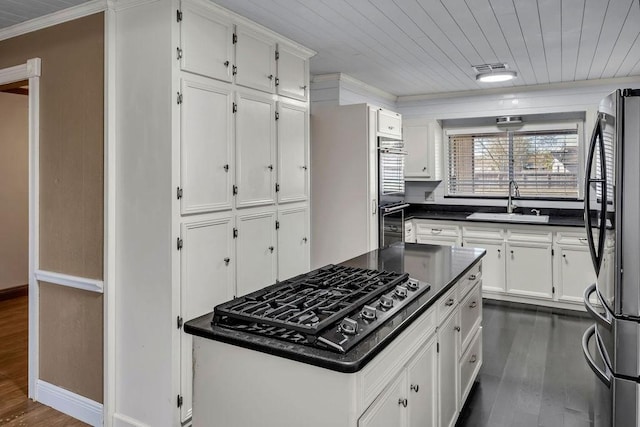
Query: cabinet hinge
[
  {"x": 277, "y": 55},
  {"x": 179, "y": 98},
  {"x": 235, "y": 38},
  {"x": 234, "y": 108},
  {"x": 178, "y": 15},
  {"x": 277, "y": 187},
  {"x": 277, "y": 225},
  {"x": 179, "y": 193},
  {"x": 277, "y": 115},
  {"x": 234, "y": 70},
  {"x": 179, "y": 401},
  {"x": 179, "y": 322},
  {"x": 553, "y": 252},
  {"x": 178, "y": 53},
  {"x": 179, "y": 243},
  {"x": 437, "y": 347},
  {"x": 235, "y": 233},
  {"x": 277, "y": 82},
  {"x": 234, "y": 190}
]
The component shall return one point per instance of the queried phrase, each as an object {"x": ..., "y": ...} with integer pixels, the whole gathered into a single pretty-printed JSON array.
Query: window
[{"x": 543, "y": 163}]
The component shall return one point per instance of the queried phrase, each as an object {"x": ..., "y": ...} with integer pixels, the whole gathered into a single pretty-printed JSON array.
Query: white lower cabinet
[
  {"x": 573, "y": 268},
  {"x": 256, "y": 251},
  {"x": 448, "y": 372},
  {"x": 529, "y": 269},
  {"x": 437, "y": 233},
  {"x": 423, "y": 387},
  {"x": 493, "y": 263},
  {"x": 293, "y": 243},
  {"x": 388, "y": 409}
]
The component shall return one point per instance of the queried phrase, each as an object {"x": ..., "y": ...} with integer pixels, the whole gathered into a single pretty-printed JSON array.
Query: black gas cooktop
[{"x": 333, "y": 307}]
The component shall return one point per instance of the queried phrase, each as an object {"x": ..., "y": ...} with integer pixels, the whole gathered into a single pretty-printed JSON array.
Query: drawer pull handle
[
  {"x": 436, "y": 230},
  {"x": 473, "y": 359},
  {"x": 415, "y": 387},
  {"x": 473, "y": 277},
  {"x": 449, "y": 302},
  {"x": 473, "y": 304},
  {"x": 403, "y": 402},
  {"x": 271, "y": 248},
  {"x": 583, "y": 239},
  {"x": 456, "y": 328},
  {"x": 499, "y": 251},
  {"x": 227, "y": 260}
]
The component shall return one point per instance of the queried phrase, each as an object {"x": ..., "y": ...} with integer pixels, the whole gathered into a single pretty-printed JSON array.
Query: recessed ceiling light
[{"x": 494, "y": 73}]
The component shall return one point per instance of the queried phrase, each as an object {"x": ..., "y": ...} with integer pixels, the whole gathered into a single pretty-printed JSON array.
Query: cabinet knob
[
  {"x": 456, "y": 328},
  {"x": 270, "y": 167},
  {"x": 473, "y": 359},
  {"x": 473, "y": 304},
  {"x": 403, "y": 402},
  {"x": 449, "y": 302},
  {"x": 415, "y": 387},
  {"x": 304, "y": 167},
  {"x": 227, "y": 260},
  {"x": 473, "y": 277},
  {"x": 303, "y": 87},
  {"x": 511, "y": 252},
  {"x": 270, "y": 76},
  {"x": 499, "y": 251},
  {"x": 424, "y": 169},
  {"x": 304, "y": 239},
  {"x": 226, "y": 64},
  {"x": 271, "y": 248},
  {"x": 564, "y": 255}
]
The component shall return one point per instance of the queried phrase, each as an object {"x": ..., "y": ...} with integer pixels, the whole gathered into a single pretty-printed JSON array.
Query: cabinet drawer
[
  {"x": 470, "y": 364},
  {"x": 572, "y": 238},
  {"x": 522, "y": 235},
  {"x": 469, "y": 280},
  {"x": 437, "y": 230},
  {"x": 447, "y": 303},
  {"x": 470, "y": 315},
  {"x": 389, "y": 123},
  {"x": 487, "y": 232}
]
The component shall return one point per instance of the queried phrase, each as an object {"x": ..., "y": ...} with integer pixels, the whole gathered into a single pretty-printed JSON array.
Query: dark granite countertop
[
  {"x": 557, "y": 217},
  {"x": 441, "y": 266}
]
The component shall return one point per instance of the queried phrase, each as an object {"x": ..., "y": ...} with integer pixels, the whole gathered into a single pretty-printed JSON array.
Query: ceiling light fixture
[{"x": 491, "y": 73}]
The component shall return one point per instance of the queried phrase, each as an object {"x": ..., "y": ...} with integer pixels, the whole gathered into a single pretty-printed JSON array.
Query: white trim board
[
  {"x": 345, "y": 78},
  {"x": 65, "y": 15},
  {"x": 83, "y": 283},
  {"x": 70, "y": 403},
  {"x": 120, "y": 420}
]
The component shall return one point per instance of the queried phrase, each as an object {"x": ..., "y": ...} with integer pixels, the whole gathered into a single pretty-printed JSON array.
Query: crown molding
[
  {"x": 345, "y": 78},
  {"x": 65, "y": 15}
]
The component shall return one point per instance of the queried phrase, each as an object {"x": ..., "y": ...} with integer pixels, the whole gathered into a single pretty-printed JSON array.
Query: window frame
[{"x": 527, "y": 127}]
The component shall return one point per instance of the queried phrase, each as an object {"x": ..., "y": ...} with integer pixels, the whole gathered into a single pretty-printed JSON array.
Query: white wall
[{"x": 14, "y": 190}]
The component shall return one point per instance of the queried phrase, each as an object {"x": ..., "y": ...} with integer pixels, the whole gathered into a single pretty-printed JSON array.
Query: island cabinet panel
[
  {"x": 470, "y": 315},
  {"x": 293, "y": 73},
  {"x": 423, "y": 387},
  {"x": 389, "y": 407},
  {"x": 470, "y": 364},
  {"x": 255, "y": 59},
  {"x": 206, "y": 146},
  {"x": 206, "y": 42},
  {"x": 293, "y": 242},
  {"x": 293, "y": 168},
  {"x": 256, "y": 251},
  {"x": 255, "y": 149},
  {"x": 448, "y": 370},
  {"x": 207, "y": 279}
]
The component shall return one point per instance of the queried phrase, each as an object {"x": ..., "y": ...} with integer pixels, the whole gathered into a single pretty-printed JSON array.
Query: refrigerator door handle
[
  {"x": 596, "y": 254},
  {"x": 604, "y": 376},
  {"x": 603, "y": 320}
]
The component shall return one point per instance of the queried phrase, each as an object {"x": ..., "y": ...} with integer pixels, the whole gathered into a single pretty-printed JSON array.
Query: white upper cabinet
[
  {"x": 206, "y": 41},
  {"x": 421, "y": 138},
  {"x": 389, "y": 124},
  {"x": 255, "y": 149},
  {"x": 293, "y": 73},
  {"x": 256, "y": 252},
  {"x": 293, "y": 243},
  {"x": 255, "y": 59},
  {"x": 293, "y": 170},
  {"x": 205, "y": 146}
]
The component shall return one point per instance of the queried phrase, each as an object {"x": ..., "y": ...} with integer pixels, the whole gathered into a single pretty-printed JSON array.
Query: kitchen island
[{"x": 416, "y": 368}]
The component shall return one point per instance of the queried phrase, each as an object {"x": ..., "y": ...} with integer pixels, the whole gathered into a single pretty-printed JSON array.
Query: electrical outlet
[{"x": 428, "y": 196}]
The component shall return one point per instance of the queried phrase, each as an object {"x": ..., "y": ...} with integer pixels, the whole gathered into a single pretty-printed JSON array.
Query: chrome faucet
[{"x": 513, "y": 185}]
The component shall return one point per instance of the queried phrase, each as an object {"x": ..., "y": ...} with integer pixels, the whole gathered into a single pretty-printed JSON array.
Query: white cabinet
[
  {"x": 423, "y": 387},
  {"x": 206, "y": 150},
  {"x": 206, "y": 42},
  {"x": 255, "y": 59},
  {"x": 421, "y": 138},
  {"x": 255, "y": 149},
  {"x": 389, "y": 124},
  {"x": 470, "y": 364},
  {"x": 529, "y": 265},
  {"x": 448, "y": 370},
  {"x": 437, "y": 233},
  {"x": 207, "y": 279},
  {"x": 293, "y": 168},
  {"x": 409, "y": 232},
  {"x": 256, "y": 251},
  {"x": 293, "y": 243},
  {"x": 293, "y": 73},
  {"x": 388, "y": 409},
  {"x": 493, "y": 264},
  {"x": 573, "y": 268}
]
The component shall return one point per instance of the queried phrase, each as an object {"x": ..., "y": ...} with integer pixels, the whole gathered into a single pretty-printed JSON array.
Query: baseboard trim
[
  {"x": 14, "y": 292},
  {"x": 72, "y": 404},
  {"x": 120, "y": 420},
  {"x": 71, "y": 281},
  {"x": 552, "y": 307}
]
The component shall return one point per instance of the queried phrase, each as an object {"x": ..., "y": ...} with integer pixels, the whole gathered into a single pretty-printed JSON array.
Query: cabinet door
[
  {"x": 448, "y": 370},
  {"x": 293, "y": 243},
  {"x": 388, "y": 409},
  {"x": 493, "y": 264},
  {"x": 416, "y": 144},
  {"x": 574, "y": 272},
  {"x": 292, "y": 152},
  {"x": 423, "y": 387},
  {"x": 206, "y": 280},
  {"x": 529, "y": 269},
  {"x": 256, "y": 266},
  {"x": 255, "y": 150},
  {"x": 206, "y": 42},
  {"x": 293, "y": 73},
  {"x": 255, "y": 60},
  {"x": 205, "y": 147},
  {"x": 389, "y": 123}
]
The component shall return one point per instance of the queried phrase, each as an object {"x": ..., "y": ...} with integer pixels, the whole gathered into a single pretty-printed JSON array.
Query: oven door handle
[
  {"x": 603, "y": 320},
  {"x": 395, "y": 208},
  {"x": 604, "y": 376}
]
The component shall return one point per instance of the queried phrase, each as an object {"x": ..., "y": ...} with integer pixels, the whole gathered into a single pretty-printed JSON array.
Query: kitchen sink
[{"x": 508, "y": 217}]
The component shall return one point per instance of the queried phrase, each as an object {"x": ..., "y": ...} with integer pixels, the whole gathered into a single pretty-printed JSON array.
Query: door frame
[{"x": 31, "y": 71}]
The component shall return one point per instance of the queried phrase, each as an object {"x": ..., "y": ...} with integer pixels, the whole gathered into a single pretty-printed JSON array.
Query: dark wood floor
[
  {"x": 16, "y": 409},
  {"x": 534, "y": 373}
]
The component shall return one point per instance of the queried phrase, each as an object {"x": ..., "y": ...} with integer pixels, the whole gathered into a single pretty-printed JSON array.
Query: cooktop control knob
[
  {"x": 401, "y": 292},
  {"x": 368, "y": 313},
  {"x": 386, "y": 302},
  {"x": 412, "y": 284},
  {"x": 348, "y": 326}
]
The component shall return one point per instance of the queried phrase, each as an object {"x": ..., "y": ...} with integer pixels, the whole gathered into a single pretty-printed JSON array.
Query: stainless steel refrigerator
[{"x": 612, "y": 219}]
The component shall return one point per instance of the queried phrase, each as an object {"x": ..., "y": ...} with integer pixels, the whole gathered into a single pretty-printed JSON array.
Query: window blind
[
  {"x": 543, "y": 163},
  {"x": 392, "y": 168}
]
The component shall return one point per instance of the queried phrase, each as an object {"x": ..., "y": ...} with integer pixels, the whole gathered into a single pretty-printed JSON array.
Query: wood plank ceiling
[{"x": 409, "y": 47}]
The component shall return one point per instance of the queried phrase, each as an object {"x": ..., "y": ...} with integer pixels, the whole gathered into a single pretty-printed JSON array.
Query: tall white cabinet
[{"x": 212, "y": 116}]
